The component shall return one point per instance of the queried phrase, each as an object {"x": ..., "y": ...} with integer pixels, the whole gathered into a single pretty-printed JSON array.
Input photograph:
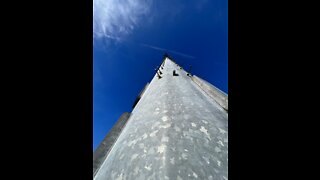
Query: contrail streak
[{"x": 162, "y": 49}]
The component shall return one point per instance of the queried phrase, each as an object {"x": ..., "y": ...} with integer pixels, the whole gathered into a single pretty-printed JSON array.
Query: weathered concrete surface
[
  {"x": 101, "y": 152},
  {"x": 220, "y": 97},
  {"x": 176, "y": 131}
]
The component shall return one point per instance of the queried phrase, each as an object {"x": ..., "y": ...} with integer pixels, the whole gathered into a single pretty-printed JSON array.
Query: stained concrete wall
[
  {"x": 176, "y": 131},
  {"x": 101, "y": 152}
]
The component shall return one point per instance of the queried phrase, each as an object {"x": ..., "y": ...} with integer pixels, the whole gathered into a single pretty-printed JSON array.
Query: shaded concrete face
[
  {"x": 176, "y": 131},
  {"x": 101, "y": 152},
  {"x": 220, "y": 97}
]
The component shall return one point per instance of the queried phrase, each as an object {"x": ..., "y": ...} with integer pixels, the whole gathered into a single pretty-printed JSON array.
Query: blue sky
[{"x": 130, "y": 38}]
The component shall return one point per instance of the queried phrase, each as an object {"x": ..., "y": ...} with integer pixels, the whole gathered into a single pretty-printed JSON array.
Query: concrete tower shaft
[{"x": 178, "y": 129}]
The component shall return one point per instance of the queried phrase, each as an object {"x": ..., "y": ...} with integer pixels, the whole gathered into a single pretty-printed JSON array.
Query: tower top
[{"x": 166, "y": 55}]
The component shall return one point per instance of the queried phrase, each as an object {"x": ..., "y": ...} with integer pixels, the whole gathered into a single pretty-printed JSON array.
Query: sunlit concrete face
[{"x": 176, "y": 131}]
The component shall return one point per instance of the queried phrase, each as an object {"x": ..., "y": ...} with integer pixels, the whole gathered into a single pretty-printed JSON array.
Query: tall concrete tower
[{"x": 178, "y": 129}]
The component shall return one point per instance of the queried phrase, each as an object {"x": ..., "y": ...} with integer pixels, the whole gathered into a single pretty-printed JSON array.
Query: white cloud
[{"x": 115, "y": 19}]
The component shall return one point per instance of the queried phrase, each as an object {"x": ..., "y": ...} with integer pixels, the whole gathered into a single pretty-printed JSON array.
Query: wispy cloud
[
  {"x": 114, "y": 19},
  {"x": 167, "y": 50}
]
